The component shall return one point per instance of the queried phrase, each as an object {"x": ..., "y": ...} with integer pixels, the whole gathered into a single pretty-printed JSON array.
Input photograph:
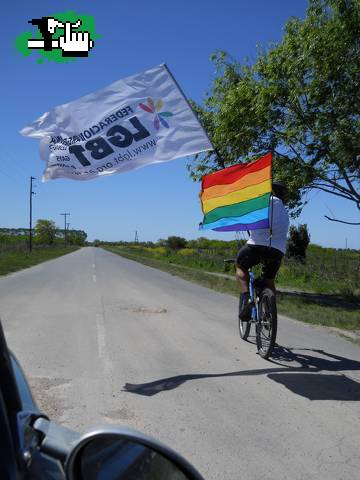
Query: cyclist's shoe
[{"x": 245, "y": 307}]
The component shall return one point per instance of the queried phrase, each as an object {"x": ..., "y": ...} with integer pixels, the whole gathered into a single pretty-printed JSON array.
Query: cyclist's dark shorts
[{"x": 251, "y": 255}]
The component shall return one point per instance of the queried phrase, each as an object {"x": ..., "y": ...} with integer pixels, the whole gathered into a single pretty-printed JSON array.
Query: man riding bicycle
[{"x": 265, "y": 247}]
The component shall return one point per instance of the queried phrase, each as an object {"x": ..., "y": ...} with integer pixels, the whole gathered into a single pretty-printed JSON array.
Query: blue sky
[{"x": 159, "y": 200}]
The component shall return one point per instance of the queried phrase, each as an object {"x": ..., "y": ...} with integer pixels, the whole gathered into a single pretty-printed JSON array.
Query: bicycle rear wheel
[
  {"x": 266, "y": 327},
  {"x": 244, "y": 327}
]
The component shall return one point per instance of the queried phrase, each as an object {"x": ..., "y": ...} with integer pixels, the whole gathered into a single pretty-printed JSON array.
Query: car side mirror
[{"x": 123, "y": 454}]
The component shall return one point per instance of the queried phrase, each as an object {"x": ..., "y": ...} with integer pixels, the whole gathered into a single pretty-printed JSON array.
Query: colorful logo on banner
[
  {"x": 154, "y": 108},
  {"x": 60, "y": 37}
]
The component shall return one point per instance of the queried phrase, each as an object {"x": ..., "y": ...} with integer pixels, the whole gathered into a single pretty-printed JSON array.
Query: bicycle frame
[
  {"x": 254, "y": 312},
  {"x": 264, "y": 321}
]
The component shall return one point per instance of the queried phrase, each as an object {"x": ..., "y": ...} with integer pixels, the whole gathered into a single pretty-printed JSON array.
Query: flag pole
[
  {"x": 271, "y": 200},
  {"x": 272, "y": 216},
  {"x": 220, "y": 160}
]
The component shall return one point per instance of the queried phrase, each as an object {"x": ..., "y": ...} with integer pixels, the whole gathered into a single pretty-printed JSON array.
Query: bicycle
[{"x": 263, "y": 315}]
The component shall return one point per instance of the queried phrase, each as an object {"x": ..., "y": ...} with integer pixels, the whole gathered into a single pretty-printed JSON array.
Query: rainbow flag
[{"x": 237, "y": 197}]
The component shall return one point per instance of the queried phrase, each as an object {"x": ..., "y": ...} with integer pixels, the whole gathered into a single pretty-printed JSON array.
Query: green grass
[
  {"x": 320, "y": 276},
  {"x": 220, "y": 284},
  {"x": 14, "y": 261},
  {"x": 329, "y": 310},
  {"x": 333, "y": 272},
  {"x": 310, "y": 311}
]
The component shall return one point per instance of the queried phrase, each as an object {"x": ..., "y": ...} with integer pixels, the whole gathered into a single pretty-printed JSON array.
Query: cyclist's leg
[
  {"x": 245, "y": 304},
  {"x": 242, "y": 276},
  {"x": 247, "y": 257},
  {"x": 270, "y": 266}
]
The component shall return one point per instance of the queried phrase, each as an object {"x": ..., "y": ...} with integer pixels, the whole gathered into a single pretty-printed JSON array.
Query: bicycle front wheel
[{"x": 266, "y": 327}]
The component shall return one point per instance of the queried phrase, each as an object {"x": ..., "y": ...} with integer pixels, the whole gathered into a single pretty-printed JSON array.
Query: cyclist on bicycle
[{"x": 266, "y": 247}]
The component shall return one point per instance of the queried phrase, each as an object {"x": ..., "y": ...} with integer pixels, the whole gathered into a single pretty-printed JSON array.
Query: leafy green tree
[
  {"x": 76, "y": 237},
  {"x": 162, "y": 242},
  {"x": 298, "y": 241},
  {"x": 45, "y": 231},
  {"x": 175, "y": 243},
  {"x": 300, "y": 100},
  {"x": 203, "y": 243}
]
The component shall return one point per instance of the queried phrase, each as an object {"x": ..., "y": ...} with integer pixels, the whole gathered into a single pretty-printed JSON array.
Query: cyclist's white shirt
[{"x": 280, "y": 226}]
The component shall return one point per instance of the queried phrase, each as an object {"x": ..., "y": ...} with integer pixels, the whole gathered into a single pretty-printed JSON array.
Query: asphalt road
[{"x": 104, "y": 339}]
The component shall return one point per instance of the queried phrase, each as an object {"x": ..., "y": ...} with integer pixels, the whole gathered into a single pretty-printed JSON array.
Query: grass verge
[
  {"x": 309, "y": 309},
  {"x": 14, "y": 261}
]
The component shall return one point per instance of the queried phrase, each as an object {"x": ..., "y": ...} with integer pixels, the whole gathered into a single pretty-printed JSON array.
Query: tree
[
  {"x": 45, "y": 231},
  {"x": 76, "y": 237},
  {"x": 298, "y": 241},
  {"x": 162, "y": 242},
  {"x": 300, "y": 100},
  {"x": 203, "y": 243},
  {"x": 176, "y": 243}
]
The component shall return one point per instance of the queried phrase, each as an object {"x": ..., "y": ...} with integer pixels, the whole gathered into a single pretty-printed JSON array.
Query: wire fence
[
  {"x": 21, "y": 246},
  {"x": 339, "y": 266}
]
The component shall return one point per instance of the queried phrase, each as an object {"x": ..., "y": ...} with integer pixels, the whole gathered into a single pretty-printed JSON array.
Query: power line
[
  {"x": 19, "y": 162},
  {"x": 10, "y": 177},
  {"x": 12, "y": 163}
]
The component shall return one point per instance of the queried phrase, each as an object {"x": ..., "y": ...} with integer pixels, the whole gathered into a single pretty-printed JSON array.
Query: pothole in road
[
  {"x": 49, "y": 395},
  {"x": 119, "y": 415}
]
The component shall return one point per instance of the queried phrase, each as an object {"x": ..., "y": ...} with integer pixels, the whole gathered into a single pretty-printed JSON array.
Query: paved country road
[{"x": 105, "y": 339}]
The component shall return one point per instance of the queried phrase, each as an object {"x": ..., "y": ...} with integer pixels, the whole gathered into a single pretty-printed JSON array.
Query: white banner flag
[{"x": 136, "y": 121}]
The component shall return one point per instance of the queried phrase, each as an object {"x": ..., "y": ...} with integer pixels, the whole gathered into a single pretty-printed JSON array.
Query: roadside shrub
[
  {"x": 185, "y": 252},
  {"x": 158, "y": 251}
]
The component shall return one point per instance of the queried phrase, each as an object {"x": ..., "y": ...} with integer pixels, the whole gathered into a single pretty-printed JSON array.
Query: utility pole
[
  {"x": 65, "y": 215},
  {"x": 67, "y": 229},
  {"x": 31, "y": 195}
]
